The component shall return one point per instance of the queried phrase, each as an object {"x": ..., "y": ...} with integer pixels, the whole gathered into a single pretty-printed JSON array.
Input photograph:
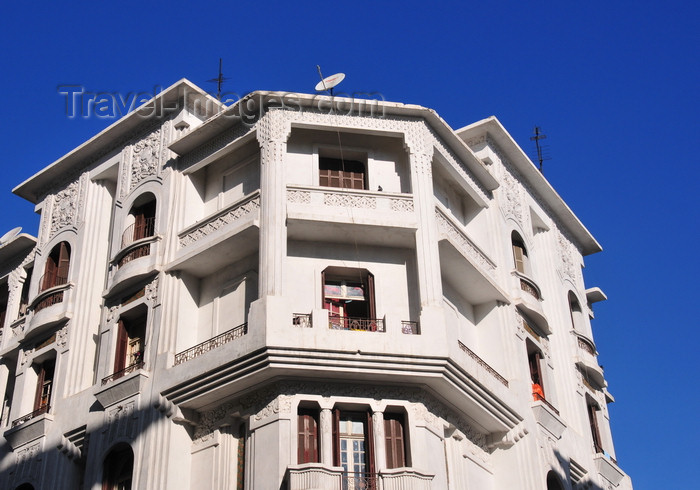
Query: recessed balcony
[
  {"x": 528, "y": 298},
  {"x": 317, "y": 475},
  {"x": 213, "y": 343}
]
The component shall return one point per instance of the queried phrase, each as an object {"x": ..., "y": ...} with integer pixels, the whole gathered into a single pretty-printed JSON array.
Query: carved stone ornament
[
  {"x": 62, "y": 337},
  {"x": 28, "y": 463},
  {"x": 64, "y": 208},
  {"x": 511, "y": 199},
  {"x": 120, "y": 422},
  {"x": 349, "y": 200},
  {"x": 145, "y": 158},
  {"x": 152, "y": 291},
  {"x": 299, "y": 197},
  {"x": 568, "y": 269}
]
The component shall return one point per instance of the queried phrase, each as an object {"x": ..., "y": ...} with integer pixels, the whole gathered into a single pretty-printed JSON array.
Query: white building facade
[{"x": 299, "y": 292}]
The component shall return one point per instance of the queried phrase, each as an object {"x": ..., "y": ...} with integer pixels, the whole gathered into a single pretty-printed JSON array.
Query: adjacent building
[{"x": 299, "y": 292}]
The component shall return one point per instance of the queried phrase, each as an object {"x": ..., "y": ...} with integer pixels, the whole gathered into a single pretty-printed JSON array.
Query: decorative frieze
[
  {"x": 349, "y": 200},
  {"x": 64, "y": 208},
  {"x": 299, "y": 197},
  {"x": 145, "y": 158},
  {"x": 120, "y": 422},
  {"x": 220, "y": 220}
]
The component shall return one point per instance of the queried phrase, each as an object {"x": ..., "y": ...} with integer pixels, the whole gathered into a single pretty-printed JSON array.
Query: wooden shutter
[
  {"x": 594, "y": 428},
  {"x": 39, "y": 387},
  {"x": 370, "y": 296},
  {"x": 63, "y": 263},
  {"x": 394, "y": 441},
  {"x": 518, "y": 257},
  {"x": 308, "y": 437},
  {"x": 369, "y": 441},
  {"x": 50, "y": 270},
  {"x": 336, "y": 437},
  {"x": 122, "y": 346}
]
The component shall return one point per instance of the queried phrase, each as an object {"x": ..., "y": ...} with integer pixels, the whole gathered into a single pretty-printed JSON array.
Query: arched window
[
  {"x": 553, "y": 481},
  {"x": 44, "y": 386},
  {"x": 56, "y": 268},
  {"x": 520, "y": 257},
  {"x": 576, "y": 313},
  {"x": 118, "y": 468},
  {"x": 141, "y": 222}
]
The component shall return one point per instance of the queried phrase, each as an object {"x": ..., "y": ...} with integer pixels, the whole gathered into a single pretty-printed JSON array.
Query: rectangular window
[
  {"x": 346, "y": 174},
  {"x": 353, "y": 448},
  {"x": 307, "y": 436},
  {"x": 395, "y": 440},
  {"x": 534, "y": 360},
  {"x": 130, "y": 343},
  {"x": 44, "y": 385},
  {"x": 348, "y": 295},
  {"x": 595, "y": 433}
]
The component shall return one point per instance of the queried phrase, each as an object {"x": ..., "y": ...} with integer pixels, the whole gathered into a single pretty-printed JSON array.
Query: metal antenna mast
[
  {"x": 539, "y": 135},
  {"x": 219, "y": 81}
]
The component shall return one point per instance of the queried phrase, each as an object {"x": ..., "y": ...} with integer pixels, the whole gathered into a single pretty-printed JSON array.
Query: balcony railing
[
  {"x": 529, "y": 288},
  {"x": 302, "y": 320},
  {"x": 123, "y": 372},
  {"x": 359, "y": 480},
  {"x": 210, "y": 344},
  {"x": 359, "y": 324},
  {"x": 483, "y": 363},
  {"x": 540, "y": 398},
  {"x": 316, "y": 475},
  {"x": 51, "y": 280},
  {"x": 134, "y": 232},
  {"x": 51, "y": 299},
  {"x": 586, "y": 346},
  {"x": 410, "y": 328},
  {"x": 137, "y": 253},
  {"x": 39, "y": 411}
]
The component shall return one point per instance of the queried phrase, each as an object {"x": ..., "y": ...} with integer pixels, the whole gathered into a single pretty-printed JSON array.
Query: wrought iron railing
[
  {"x": 483, "y": 363},
  {"x": 410, "y": 328},
  {"x": 212, "y": 343},
  {"x": 359, "y": 480},
  {"x": 25, "y": 418},
  {"x": 529, "y": 287},
  {"x": 137, "y": 253},
  {"x": 134, "y": 232},
  {"x": 538, "y": 397},
  {"x": 359, "y": 324},
  {"x": 302, "y": 320},
  {"x": 122, "y": 372},
  {"x": 51, "y": 280},
  {"x": 586, "y": 345},
  {"x": 51, "y": 299}
]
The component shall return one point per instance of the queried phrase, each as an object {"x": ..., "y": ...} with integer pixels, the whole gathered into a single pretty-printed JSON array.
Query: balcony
[
  {"x": 123, "y": 372},
  {"x": 483, "y": 364},
  {"x": 607, "y": 467},
  {"x": 220, "y": 239},
  {"x": 137, "y": 232},
  {"x": 361, "y": 216},
  {"x": 316, "y": 475},
  {"x": 586, "y": 360},
  {"x": 29, "y": 427},
  {"x": 121, "y": 385},
  {"x": 356, "y": 324},
  {"x": 547, "y": 416},
  {"x": 528, "y": 299},
  {"x": 211, "y": 344}
]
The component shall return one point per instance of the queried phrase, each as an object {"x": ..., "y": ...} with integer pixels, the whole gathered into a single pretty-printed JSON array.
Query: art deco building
[{"x": 299, "y": 292}]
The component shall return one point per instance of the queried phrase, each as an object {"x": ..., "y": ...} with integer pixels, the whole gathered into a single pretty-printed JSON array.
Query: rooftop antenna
[
  {"x": 327, "y": 84},
  {"x": 541, "y": 156},
  {"x": 219, "y": 81}
]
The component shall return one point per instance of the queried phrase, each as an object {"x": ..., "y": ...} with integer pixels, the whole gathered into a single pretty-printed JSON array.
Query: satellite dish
[
  {"x": 329, "y": 82},
  {"x": 10, "y": 235}
]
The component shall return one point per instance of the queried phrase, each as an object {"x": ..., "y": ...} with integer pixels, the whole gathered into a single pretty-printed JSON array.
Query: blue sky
[{"x": 612, "y": 84}]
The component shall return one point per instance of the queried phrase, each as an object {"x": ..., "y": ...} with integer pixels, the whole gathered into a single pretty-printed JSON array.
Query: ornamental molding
[
  {"x": 28, "y": 464},
  {"x": 402, "y": 205},
  {"x": 349, "y": 200},
  {"x": 567, "y": 267},
  {"x": 146, "y": 158},
  {"x": 151, "y": 292},
  {"x": 463, "y": 243},
  {"x": 299, "y": 197},
  {"x": 209, "y": 226},
  {"x": 121, "y": 422},
  {"x": 64, "y": 208},
  {"x": 62, "y": 337}
]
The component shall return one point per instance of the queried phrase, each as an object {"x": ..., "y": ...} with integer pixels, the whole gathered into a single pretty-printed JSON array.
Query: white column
[
  {"x": 428, "y": 256},
  {"x": 272, "y": 136},
  {"x": 326, "y": 436},
  {"x": 379, "y": 442}
]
